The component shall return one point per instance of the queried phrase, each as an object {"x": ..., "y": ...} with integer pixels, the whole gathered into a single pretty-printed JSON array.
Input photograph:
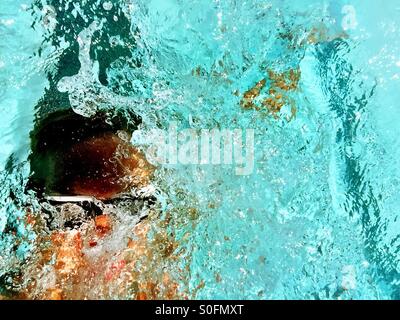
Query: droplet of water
[{"x": 107, "y": 5}]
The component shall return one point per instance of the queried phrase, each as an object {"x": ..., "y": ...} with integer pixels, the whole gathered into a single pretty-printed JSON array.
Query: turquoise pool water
[{"x": 317, "y": 218}]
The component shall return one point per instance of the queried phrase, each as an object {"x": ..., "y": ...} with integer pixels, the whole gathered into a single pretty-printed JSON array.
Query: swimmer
[
  {"x": 99, "y": 229},
  {"x": 88, "y": 177}
]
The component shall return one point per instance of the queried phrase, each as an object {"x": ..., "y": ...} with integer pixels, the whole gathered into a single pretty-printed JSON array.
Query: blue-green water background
[{"x": 320, "y": 211}]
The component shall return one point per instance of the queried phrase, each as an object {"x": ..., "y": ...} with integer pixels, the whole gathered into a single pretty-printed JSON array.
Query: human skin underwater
[{"x": 195, "y": 149}]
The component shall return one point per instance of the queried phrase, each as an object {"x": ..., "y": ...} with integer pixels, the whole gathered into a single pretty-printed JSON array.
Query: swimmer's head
[{"x": 79, "y": 156}]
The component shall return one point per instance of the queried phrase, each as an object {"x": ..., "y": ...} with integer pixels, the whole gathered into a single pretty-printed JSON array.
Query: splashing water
[{"x": 315, "y": 80}]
